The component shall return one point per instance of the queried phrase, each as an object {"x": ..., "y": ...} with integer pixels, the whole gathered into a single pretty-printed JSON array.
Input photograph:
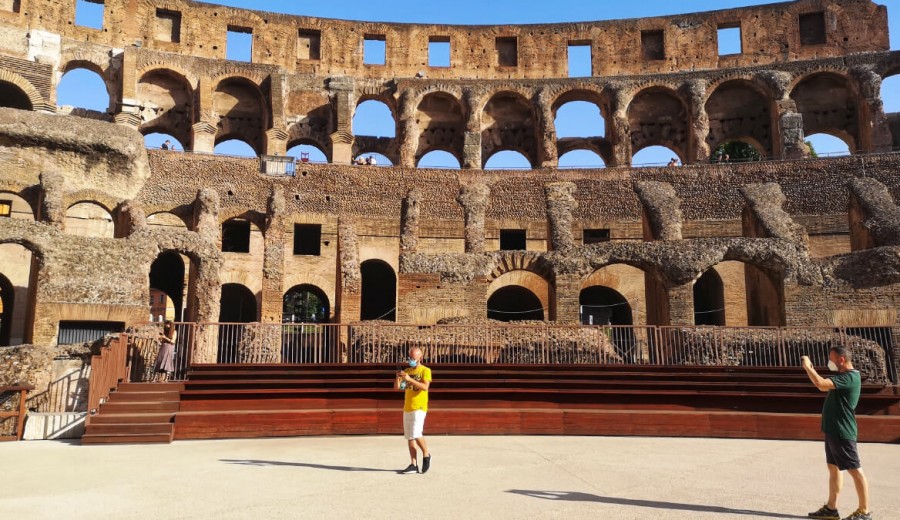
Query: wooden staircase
[{"x": 135, "y": 413}]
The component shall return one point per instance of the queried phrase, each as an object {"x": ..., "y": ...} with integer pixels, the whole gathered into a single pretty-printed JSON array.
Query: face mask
[
  {"x": 413, "y": 363},
  {"x": 832, "y": 366}
]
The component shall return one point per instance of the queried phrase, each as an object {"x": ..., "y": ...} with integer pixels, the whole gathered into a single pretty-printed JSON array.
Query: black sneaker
[
  {"x": 426, "y": 463},
  {"x": 826, "y": 513},
  {"x": 857, "y": 515},
  {"x": 412, "y": 468}
]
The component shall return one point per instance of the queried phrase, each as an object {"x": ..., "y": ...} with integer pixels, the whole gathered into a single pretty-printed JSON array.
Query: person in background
[
  {"x": 166, "y": 145},
  {"x": 165, "y": 359}
]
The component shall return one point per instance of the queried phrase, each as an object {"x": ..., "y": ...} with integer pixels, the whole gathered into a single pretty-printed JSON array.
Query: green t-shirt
[{"x": 838, "y": 413}]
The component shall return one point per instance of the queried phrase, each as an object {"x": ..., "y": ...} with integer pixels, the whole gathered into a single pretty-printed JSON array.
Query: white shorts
[{"x": 413, "y": 424}]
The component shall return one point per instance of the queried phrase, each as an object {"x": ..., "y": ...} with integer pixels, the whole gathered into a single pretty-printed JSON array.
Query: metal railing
[
  {"x": 13, "y": 411},
  {"x": 108, "y": 369},
  {"x": 363, "y": 343}
]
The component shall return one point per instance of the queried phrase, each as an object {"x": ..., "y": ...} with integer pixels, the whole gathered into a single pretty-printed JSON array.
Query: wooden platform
[{"x": 230, "y": 401}]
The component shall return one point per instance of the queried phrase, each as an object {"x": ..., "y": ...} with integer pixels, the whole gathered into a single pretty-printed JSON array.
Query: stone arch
[
  {"x": 658, "y": 116},
  {"x": 510, "y": 154},
  {"x": 165, "y": 221},
  {"x": 627, "y": 281},
  {"x": 98, "y": 65},
  {"x": 384, "y": 99},
  {"x": 709, "y": 299},
  {"x": 242, "y": 112},
  {"x": 308, "y": 141},
  {"x": 238, "y": 305},
  {"x": 20, "y": 208},
  {"x": 89, "y": 219},
  {"x": 519, "y": 283},
  {"x": 601, "y": 147},
  {"x": 19, "y": 259},
  {"x": 167, "y": 275},
  {"x": 753, "y": 290},
  {"x": 429, "y": 151},
  {"x": 587, "y": 95},
  {"x": 740, "y": 110},
  {"x": 442, "y": 124},
  {"x": 378, "y": 298},
  {"x": 306, "y": 303},
  {"x": 12, "y": 84},
  {"x": 829, "y": 104},
  {"x": 7, "y": 301},
  {"x": 509, "y": 122},
  {"x": 167, "y": 100}
]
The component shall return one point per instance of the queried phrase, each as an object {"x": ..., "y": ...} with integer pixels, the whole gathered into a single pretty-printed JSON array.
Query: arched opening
[
  {"x": 167, "y": 278},
  {"x": 83, "y": 88},
  {"x": 167, "y": 99},
  {"x": 738, "y": 111},
  {"x": 373, "y": 159},
  {"x": 307, "y": 153},
  {"x": 581, "y": 159},
  {"x": 828, "y": 105},
  {"x": 514, "y": 303},
  {"x": 238, "y": 306},
  {"x": 735, "y": 152},
  {"x": 11, "y": 96},
  {"x": 604, "y": 306},
  {"x": 508, "y": 123},
  {"x": 825, "y": 145},
  {"x": 890, "y": 93},
  {"x": 579, "y": 119},
  {"x": 14, "y": 206},
  {"x": 160, "y": 141},
  {"x": 655, "y": 156},
  {"x": 235, "y": 148},
  {"x": 166, "y": 222},
  {"x": 658, "y": 117},
  {"x": 241, "y": 109},
  {"x": 306, "y": 304},
  {"x": 439, "y": 159},
  {"x": 379, "y": 291},
  {"x": 16, "y": 294},
  {"x": 442, "y": 123},
  {"x": 709, "y": 299},
  {"x": 507, "y": 160},
  {"x": 87, "y": 219},
  {"x": 374, "y": 118}
]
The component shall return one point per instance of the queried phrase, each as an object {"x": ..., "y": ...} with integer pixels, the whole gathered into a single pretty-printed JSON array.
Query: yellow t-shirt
[{"x": 416, "y": 399}]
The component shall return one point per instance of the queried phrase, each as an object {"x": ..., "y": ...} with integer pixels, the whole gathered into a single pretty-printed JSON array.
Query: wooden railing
[
  {"x": 108, "y": 369},
  {"x": 19, "y": 413}
]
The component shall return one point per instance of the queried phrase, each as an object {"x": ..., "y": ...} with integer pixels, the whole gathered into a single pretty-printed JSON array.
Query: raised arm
[{"x": 821, "y": 383}]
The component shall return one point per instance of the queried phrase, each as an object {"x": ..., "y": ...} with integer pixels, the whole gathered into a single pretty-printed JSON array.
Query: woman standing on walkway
[{"x": 165, "y": 359}]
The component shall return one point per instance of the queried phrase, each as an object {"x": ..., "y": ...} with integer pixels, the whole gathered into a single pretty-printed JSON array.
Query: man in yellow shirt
[{"x": 415, "y": 381}]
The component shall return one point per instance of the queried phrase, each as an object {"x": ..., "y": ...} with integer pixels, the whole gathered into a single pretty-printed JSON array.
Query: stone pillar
[
  {"x": 203, "y": 138},
  {"x": 205, "y": 286},
  {"x": 273, "y": 258},
  {"x": 874, "y": 130},
  {"x": 276, "y": 142},
  {"x": 568, "y": 293},
  {"x": 618, "y": 130},
  {"x": 130, "y": 218},
  {"x": 561, "y": 204},
  {"x": 661, "y": 210},
  {"x": 409, "y": 222},
  {"x": 698, "y": 149},
  {"x": 475, "y": 200},
  {"x": 407, "y": 130},
  {"x": 472, "y": 137},
  {"x": 342, "y": 104},
  {"x": 681, "y": 304},
  {"x": 788, "y": 140},
  {"x": 548, "y": 156},
  {"x": 128, "y": 111},
  {"x": 51, "y": 209},
  {"x": 349, "y": 277}
]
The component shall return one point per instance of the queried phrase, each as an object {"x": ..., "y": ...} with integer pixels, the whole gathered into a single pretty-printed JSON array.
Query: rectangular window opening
[
  {"x": 89, "y": 13},
  {"x": 5, "y": 208},
  {"x": 239, "y": 46},
  {"x": 595, "y": 236},
  {"x": 513, "y": 240},
  {"x": 374, "y": 49},
  {"x": 730, "y": 40},
  {"x": 653, "y": 45},
  {"x": 439, "y": 51},
  {"x": 309, "y": 45},
  {"x": 236, "y": 236},
  {"x": 308, "y": 239},
  {"x": 580, "y": 59},
  {"x": 812, "y": 28},
  {"x": 507, "y": 51},
  {"x": 10, "y": 5},
  {"x": 168, "y": 26},
  {"x": 74, "y": 332}
]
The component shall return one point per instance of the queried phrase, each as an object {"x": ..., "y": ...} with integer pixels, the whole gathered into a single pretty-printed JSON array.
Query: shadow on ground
[
  {"x": 302, "y": 465},
  {"x": 670, "y": 506}
]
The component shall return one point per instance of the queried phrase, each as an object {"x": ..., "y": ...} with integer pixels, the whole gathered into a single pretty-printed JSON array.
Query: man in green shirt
[{"x": 839, "y": 426}]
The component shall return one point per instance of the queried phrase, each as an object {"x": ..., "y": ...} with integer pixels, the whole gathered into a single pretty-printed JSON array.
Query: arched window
[
  {"x": 374, "y": 118},
  {"x": 439, "y": 159},
  {"x": 88, "y": 219},
  {"x": 238, "y": 306},
  {"x": 83, "y": 88},
  {"x": 709, "y": 299},
  {"x": 11, "y": 96},
  {"x": 379, "y": 291},
  {"x": 579, "y": 119},
  {"x": 824, "y": 145},
  {"x": 167, "y": 278},
  {"x": 654, "y": 156},
  {"x": 514, "y": 303},
  {"x": 507, "y": 160},
  {"x": 158, "y": 141},
  {"x": 581, "y": 159},
  {"x": 735, "y": 152},
  {"x": 307, "y": 153},
  {"x": 890, "y": 93},
  {"x": 604, "y": 306},
  {"x": 379, "y": 159},
  {"x": 235, "y": 147},
  {"x": 306, "y": 304}
]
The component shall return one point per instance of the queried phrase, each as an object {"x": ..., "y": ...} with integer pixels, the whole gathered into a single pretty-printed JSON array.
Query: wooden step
[
  {"x": 150, "y": 387},
  {"x": 149, "y": 438},
  {"x": 133, "y": 397},
  {"x": 132, "y": 418},
  {"x": 128, "y": 408},
  {"x": 130, "y": 428}
]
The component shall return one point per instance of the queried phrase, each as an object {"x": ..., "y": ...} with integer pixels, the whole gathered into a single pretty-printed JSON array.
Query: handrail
[
  {"x": 18, "y": 414},
  {"x": 108, "y": 368}
]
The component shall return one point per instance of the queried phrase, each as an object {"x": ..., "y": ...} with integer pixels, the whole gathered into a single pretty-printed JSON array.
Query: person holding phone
[{"x": 415, "y": 380}]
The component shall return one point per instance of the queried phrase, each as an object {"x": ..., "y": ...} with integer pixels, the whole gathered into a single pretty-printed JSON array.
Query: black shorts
[{"x": 841, "y": 453}]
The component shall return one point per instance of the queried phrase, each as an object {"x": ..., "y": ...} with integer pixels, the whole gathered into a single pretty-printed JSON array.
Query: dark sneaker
[
  {"x": 412, "y": 468},
  {"x": 426, "y": 463},
  {"x": 859, "y": 515},
  {"x": 826, "y": 513}
]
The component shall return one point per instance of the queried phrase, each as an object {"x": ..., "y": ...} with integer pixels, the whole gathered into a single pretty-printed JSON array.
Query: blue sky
[{"x": 574, "y": 119}]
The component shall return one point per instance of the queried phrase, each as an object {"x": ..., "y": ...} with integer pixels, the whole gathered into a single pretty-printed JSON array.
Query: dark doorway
[
  {"x": 7, "y": 295},
  {"x": 167, "y": 275},
  {"x": 379, "y": 291},
  {"x": 709, "y": 300},
  {"x": 237, "y": 308},
  {"x": 12, "y": 96},
  {"x": 604, "y": 306},
  {"x": 514, "y": 303},
  {"x": 306, "y": 304}
]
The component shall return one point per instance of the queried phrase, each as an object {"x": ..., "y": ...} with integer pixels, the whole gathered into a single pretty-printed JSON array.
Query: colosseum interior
[{"x": 92, "y": 223}]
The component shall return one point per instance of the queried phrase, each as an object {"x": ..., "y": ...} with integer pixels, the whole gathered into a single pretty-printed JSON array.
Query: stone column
[
  {"x": 205, "y": 286},
  {"x": 409, "y": 222},
  {"x": 128, "y": 111},
  {"x": 472, "y": 137},
  {"x": 407, "y": 129},
  {"x": 681, "y": 304},
  {"x": 661, "y": 210},
  {"x": 874, "y": 130},
  {"x": 698, "y": 149},
  {"x": 475, "y": 200},
  {"x": 618, "y": 130},
  {"x": 51, "y": 209},
  {"x": 568, "y": 292},
  {"x": 273, "y": 258},
  {"x": 548, "y": 156},
  {"x": 203, "y": 137},
  {"x": 349, "y": 277},
  {"x": 788, "y": 140},
  {"x": 561, "y": 204},
  {"x": 341, "y": 89},
  {"x": 276, "y": 142}
]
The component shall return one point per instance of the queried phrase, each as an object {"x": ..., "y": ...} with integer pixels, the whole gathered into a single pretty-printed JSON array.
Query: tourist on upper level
[
  {"x": 839, "y": 426},
  {"x": 415, "y": 381},
  {"x": 166, "y": 145}
]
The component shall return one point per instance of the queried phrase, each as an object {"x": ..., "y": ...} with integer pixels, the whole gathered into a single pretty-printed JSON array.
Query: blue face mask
[{"x": 413, "y": 363}]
